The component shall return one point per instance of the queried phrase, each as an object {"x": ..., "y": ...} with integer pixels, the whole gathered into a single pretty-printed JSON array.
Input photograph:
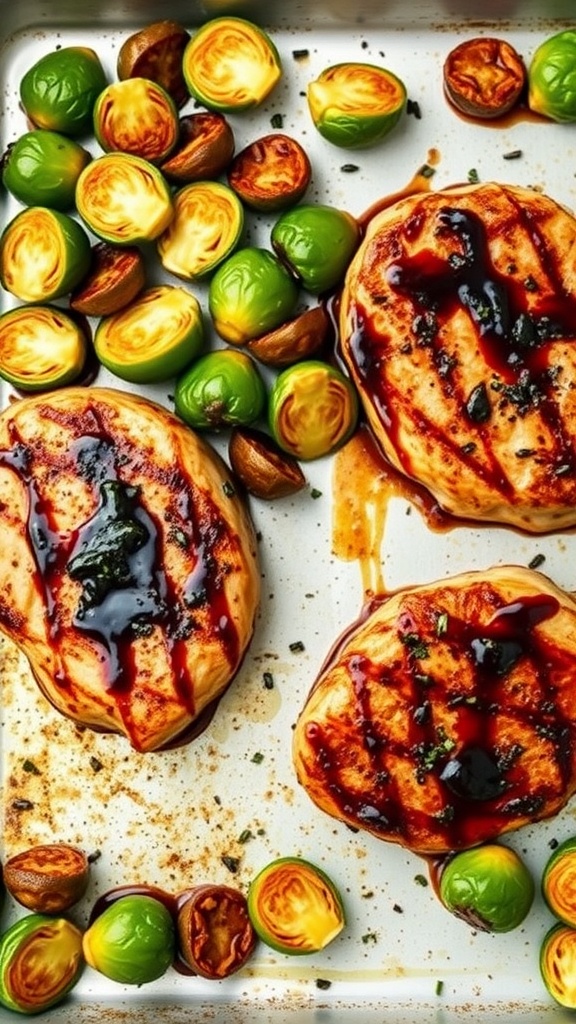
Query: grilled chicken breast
[
  {"x": 128, "y": 565},
  {"x": 458, "y": 326},
  {"x": 447, "y": 715}
]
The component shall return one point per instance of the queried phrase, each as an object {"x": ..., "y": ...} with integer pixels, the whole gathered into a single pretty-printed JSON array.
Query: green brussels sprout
[
  {"x": 41, "y": 347},
  {"x": 124, "y": 199},
  {"x": 133, "y": 941},
  {"x": 295, "y": 907},
  {"x": 316, "y": 243},
  {"x": 313, "y": 409},
  {"x": 222, "y": 388},
  {"x": 552, "y": 77},
  {"x": 559, "y": 882},
  {"x": 136, "y": 116},
  {"x": 250, "y": 293},
  {"x": 42, "y": 167},
  {"x": 60, "y": 89},
  {"x": 489, "y": 887},
  {"x": 206, "y": 227},
  {"x": 355, "y": 105},
  {"x": 40, "y": 962},
  {"x": 558, "y": 964},
  {"x": 231, "y": 64},
  {"x": 44, "y": 254}
]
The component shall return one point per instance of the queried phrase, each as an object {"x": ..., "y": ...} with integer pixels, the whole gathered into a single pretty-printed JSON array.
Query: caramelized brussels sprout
[
  {"x": 299, "y": 338},
  {"x": 231, "y": 64},
  {"x": 124, "y": 199},
  {"x": 132, "y": 941},
  {"x": 559, "y": 882},
  {"x": 295, "y": 907},
  {"x": 41, "y": 348},
  {"x": 316, "y": 243},
  {"x": 156, "y": 53},
  {"x": 489, "y": 887},
  {"x": 313, "y": 409},
  {"x": 271, "y": 173},
  {"x": 48, "y": 879},
  {"x": 262, "y": 467},
  {"x": 484, "y": 77},
  {"x": 116, "y": 276},
  {"x": 206, "y": 228},
  {"x": 40, "y": 962},
  {"x": 221, "y": 389},
  {"x": 42, "y": 167},
  {"x": 136, "y": 116},
  {"x": 355, "y": 105},
  {"x": 60, "y": 89},
  {"x": 152, "y": 338},
  {"x": 551, "y": 80},
  {"x": 204, "y": 149},
  {"x": 250, "y": 293},
  {"x": 558, "y": 964},
  {"x": 215, "y": 932},
  {"x": 43, "y": 254}
]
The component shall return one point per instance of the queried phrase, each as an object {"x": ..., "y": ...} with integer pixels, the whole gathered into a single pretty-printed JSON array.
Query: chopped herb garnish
[
  {"x": 268, "y": 681},
  {"x": 232, "y": 863},
  {"x": 245, "y": 836},
  {"x": 397, "y": 909},
  {"x": 94, "y": 856},
  {"x": 421, "y": 880},
  {"x": 439, "y": 988},
  {"x": 413, "y": 107},
  {"x": 427, "y": 171},
  {"x": 30, "y": 767},
  {"x": 277, "y": 120},
  {"x": 513, "y": 154},
  {"x": 229, "y": 489},
  {"x": 349, "y": 168},
  {"x": 323, "y": 983},
  {"x": 537, "y": 561},
  {"x": 473, "y": 176},
  {"x": 300, "y": 54},
  {"x": 296, "y": 646},
  {"x": 441, "y": 623},
  {"x": 96, "y": 765},
  {"x": 315, "y": 493},
  {"x": 257, "y": 758},
  {"x": 417, "y": 647},
  {"x": 369, "y": 937}
]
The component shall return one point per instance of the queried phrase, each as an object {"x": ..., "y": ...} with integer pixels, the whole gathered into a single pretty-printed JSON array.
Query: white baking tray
[{"x": 169, "y": 819}]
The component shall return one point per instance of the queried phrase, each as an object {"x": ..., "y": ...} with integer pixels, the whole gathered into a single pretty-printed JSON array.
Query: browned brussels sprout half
[
  {"x": 48, "y": 879},
  {"x": 214, "y": 929},
  {"x": 356, "y": 105},
  {"x": 206, "y": 227},
  {"x": 260, "y": 464},
  {"x": 250, "y": 294},
  {"x": 40, "y": 962},
  {"x": 313, "y": 409},
  {"x": 558, "y": 964},
  {"x": 299, "y": 338},
  {"x": 116, "y": 276},
  {"x": 231, "y": 64},
  {"x": 133, "y": 941},
  {"x": 295, "y": 907},
  {"x": 43, "y": 254},
  {"x": 559, "y": 882},
  {"x": 41, "y": 348},
  {"x": 136, "y": 116},
  {"x": 317, "y": 243},
  {"x": 204, "y": 149},
  {"x": 489, "y": 887},
  {"x": 271, "y": 173},
  {"x": 484, "y": 77},
  {"x": 60, "y": 89},
  {"x": 156, "y": 53},
  {"x": 42, "y": 167},
  {"x": 124, "y": 199}
]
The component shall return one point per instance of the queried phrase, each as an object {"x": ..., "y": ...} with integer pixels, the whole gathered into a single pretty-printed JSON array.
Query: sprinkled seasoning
[
  {"x": 537, "y": 561},
  {"x": 421, "y": 880},
  {"x": 473, "y": 176},
  {"x": 257, "y": 758},
  {"x": 300, "y": 54},
  {"x": 513, "y": 154},
  {"x": 323, "y": 983},
  {"x": 245, "y": 836},
  {"x": 439, "y": 988},
  {"x": 94, "y": 856},
  {"x": 413, "y": 107},
  {"x": 349, "y": 168},
  {"x": 369, "y": 937},
  {"x": 30, "y": 768},
  {"x": 427, "y": 171},
  {"x": 296, "y": 646},
  {"x": 232, "y": 863},
  {"x": 315, "y": 493},
  {"x": 268, "y": 681},
  {"x": 277, "y": 120}
]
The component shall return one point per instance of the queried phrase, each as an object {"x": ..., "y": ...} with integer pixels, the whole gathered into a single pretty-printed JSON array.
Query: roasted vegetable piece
[
  {"x": 60, "y": 89},
  {"x": 133, "y": 941},
  {"x": 559, "y": 882},
  {"x": 260, "y": 464},
  {"x": 43, "y": 254},
  {"x": 558, "y": 964},
  {"x": 204, "y": 149},
  {"x": 271, "y": 173},
  {"x": 231, "y": 64},
  {"x": 42, "y": 167},
  {"x": 152, "y": 338},
  {"x": 41, "y": 348},
  {"x": 40, "y": 962},
  {"x": 124, "y": 199},
  {"x": 484, "y": 77},
  {"x": 551, "y": 77},
  {"x": 220, "y": 389},
  {"x": 136, "y": 116},
  {"x": 215, "y": 932},
  {"x": 299, "y": 338},
  {"x": 156, "y": 53},
  {"x": 250, "y": 293},
  {"x": 206, "y": 228},
  {"x": 489, "y": 887},
  {"x": 316, "y": 243},
  {"x": 356, "y": 105},
  {"x": 295, "y": 907},
  {"x": 116, "y": 276},
  {"x": 48, "y": 879},
  {"x": 313, "y": 409}
]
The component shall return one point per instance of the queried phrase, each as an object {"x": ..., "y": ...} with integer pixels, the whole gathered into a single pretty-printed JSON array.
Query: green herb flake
[
  {"x": 296, "y": 646},
  {"x": 268, "y": 681},
  {"x": 323, "y": 983},
  {"x": 427, "y": 171},
  {"x": 417, "y": 647},
  {"x": 421, "y": 880},
  {"x": 439, "y": 988},
  {"x": 537, "y": 561},
  {"x": 257, "y": 758},
  {"x": 232, "y": 863},
  {"x": 349, "y": 168},
  {"x": 473, "y": 176},
  {"x": 369, "y": 937},
  {"x": 315, "y": 493},
  {"x": 512, "y": 154},
  {"x": 245, "y": 836},
  {"x": 300, "y": 54},
  {"x": 29, "y": 767},
  {"x": 229, "y": 489},
  {"x": 93, "y": 857},
  {"x": 441, "y": 623},
  {"x": 277, "y": 120}
]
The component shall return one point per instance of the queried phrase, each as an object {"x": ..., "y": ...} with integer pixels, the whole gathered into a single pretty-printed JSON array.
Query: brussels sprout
[
  {"x": 299, "y": 338},
  {"x": 559, "y": 882},
  {"x": 484, "y": 77},
  {"x": 42, "y": 167},
  {"x": 558, "y": 964},
  {"x": 222, "y": 388},
  {"x": 552, "y": 77},
  {"x": 313, "y": 409},
  {"x": 43, "y": 254},
  {"x": 153, "y": 338},
  {"x": 40, "y": 962},
  {"x": 250, "y": 294},
  {"x": 41, "y": 348},
  {"x": 133, "y": 941},
  {"x": 316, "y": 243},
  {"x": 156, "y": 53},
  {"x": 136, "y": 116},
  {"x": 355, "y": 105},
  {"x": 204, "y": 149},
  {"x": 60, "y": 89},
  {"x": 215, "y": 931},
  {"x": 295, "y": 907},
  {"x": 206, "y": 227},
  {"x": 116, "y": 276},
  {"x": 271, "y": 173},
  {"x": 124, "y": 199},
  {"x": 231, "y": 64},
  {"x": 489, "y": 887},
  {"x": 49, "y": 878},
  {"x": 260, "y": 464}
]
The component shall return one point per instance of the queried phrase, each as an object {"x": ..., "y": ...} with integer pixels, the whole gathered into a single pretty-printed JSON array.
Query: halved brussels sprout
[
  {"x": 124, "y": 199},
  {"x": 136, "y": 116},
  {"x": 42, "y": 167},
  {"x": 152, "y": 338},
  {"x": 260, "y": 464},
  {"x": 204, "y": 149},
  {"x": 295, "y": 907},
  {"x": 559, "y": 882},
  {"x": 43, "y": 254},
  {"x": 41, "y": 348},
  {"x": 116, "y": 276},
  {"x": 215, "y": 931},
  {"x": 231, "y": 64},
  {"x": 206, "y": 227},
  {"x": 250, "y": 294},
  {"x": 551, "y": 78},
  {"x": 484, "y": 77},
  {"x": 222, "y": 388},
  {"x": 156, "y": 53},
  {"x": 271, "y": 173},
  {"x": 299, "y": 338},
  {"x": 558, "y": 964},
  {"x": 313, "y": 409},
  {"x": 49, "y": 878},
  {"x": 133, "y": 941},
  {"x": 40, "y": 962},
  {"x": 60, "y": 89},
  {"x": 316, "y": 243},
  {"x": 489, "y": 887},
  {"x": 355, "y": 105}
]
